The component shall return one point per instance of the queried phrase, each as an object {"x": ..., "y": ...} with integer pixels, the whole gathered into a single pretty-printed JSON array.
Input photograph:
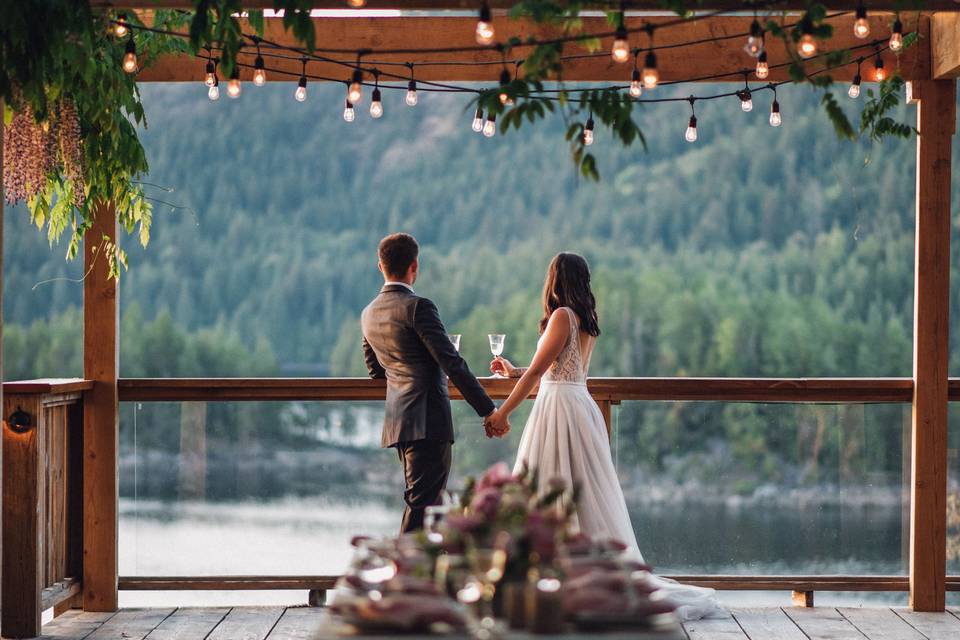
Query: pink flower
[
  {"x": 495, "y": 477},
  {"x": 485, "y": 502}
]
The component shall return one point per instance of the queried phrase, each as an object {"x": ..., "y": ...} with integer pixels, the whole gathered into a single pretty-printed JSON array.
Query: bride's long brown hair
[{"x": 568, "y": 285}]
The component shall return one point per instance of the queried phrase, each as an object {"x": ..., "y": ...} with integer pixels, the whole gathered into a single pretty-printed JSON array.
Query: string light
[
  {"x": 130, "y": 56},
  {"x": 477, "y": 124},
  {"x": 650, "y": 75},
  {"x": 621, "y": 48},
  {"x": 854, "y": 90},
  {"x": 861, "y": 26},
  {"x": 746, "y": 97},
  {"x": 301, "y": 93},
  {"x": 807, "y": 45},
  {"x": 348, "y": 113},
  {"x": 490, "y": 126},
  {"x": 357, "y": 4},
  {"x": 355, "y": 91},
  {"x": 754, "y": 46},
  {"x": 763, "y": 69},
  {"x": 896, "y": 38},
  {"x": 214, "y": 91},
  {"x": 588, "y": 132},
  {"x": 376, "y": 107},
  {"x": 120, "y": 28},
  {"x": 411, "y": 98},
  {"x": 504, "y": 82},
  {"x": 233, "y": 84},
  {"x": 775, "y": 119},
  {"x": 485, "y": 31},
  {"x": 879, "y": 73},
  {"x": 690, "y": 135},
  {"x": 210, "y": 77},
  {"x": 259, "y": 73},
  {"x": 636, "y": 86}
]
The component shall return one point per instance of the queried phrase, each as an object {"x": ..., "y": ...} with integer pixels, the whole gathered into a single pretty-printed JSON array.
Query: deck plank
[
  {"x": 247, "y": 623},
  {"x": 823, "y": 623},
  {"x": 935, "y": 626},
  {"x": 714, "y": 629},
  {"x": 74, "y": 625},
  {"x": 880, "y": 624},
  {"x": 189, "y": 623},
  {"x": 131, "y": 624},
  {"x": 298, "y": 623},
  {"x": 767, "y": 623}
]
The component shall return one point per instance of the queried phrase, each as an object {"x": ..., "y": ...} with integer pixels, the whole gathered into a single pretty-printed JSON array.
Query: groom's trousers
[{"x": 426, "y": 465}]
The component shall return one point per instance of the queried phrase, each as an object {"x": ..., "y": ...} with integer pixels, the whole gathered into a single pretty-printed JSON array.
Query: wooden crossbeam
[
  {"x": 472, "y": 5},
  {"x": 698, "y": 61},
  {"x": 945, "y": 46}
]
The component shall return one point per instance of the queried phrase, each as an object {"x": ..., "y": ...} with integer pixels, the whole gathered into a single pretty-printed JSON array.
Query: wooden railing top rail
[
  {"x": 48, "y": 386},
  {"x": 873, "y": 390}
]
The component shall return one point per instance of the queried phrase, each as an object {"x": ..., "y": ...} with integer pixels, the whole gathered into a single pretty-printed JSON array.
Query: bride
[{"x": 566, "y": 434}]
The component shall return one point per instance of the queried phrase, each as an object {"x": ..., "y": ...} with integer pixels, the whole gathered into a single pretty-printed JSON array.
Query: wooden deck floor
[{"x": 301, "y": 623}]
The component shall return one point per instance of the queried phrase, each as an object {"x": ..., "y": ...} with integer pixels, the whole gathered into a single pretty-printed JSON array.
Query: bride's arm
[{"x": 554, "y": 338}]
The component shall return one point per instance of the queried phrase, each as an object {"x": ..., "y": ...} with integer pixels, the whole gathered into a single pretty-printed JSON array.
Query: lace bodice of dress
[{"x": 569, "y": 365}]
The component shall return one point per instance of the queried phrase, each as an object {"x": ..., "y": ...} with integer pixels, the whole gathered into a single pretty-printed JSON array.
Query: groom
[{"x": 405, "y": 342}]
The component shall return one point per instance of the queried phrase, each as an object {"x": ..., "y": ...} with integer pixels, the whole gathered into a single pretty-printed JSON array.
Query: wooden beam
[
  {"x": 892, "y": 390},
  {"x": 936, "y": 119},
  {"x": 681, "y": 63},
  {"x": 502, "y": 5},
  {"x": 23, "y": 530},
  {"x": 100, "y": 421},
  {"x": 945, "y": 45}
]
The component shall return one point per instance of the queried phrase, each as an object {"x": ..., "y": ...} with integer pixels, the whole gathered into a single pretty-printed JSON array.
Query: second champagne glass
[{"x": 496, "y": 346}]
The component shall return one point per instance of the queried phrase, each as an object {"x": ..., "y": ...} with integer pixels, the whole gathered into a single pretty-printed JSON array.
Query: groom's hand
[{"x": 495, "y": 425}]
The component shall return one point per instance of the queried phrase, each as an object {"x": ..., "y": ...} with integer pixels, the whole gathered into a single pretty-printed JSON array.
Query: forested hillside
[{"x": 755, "y": 251}]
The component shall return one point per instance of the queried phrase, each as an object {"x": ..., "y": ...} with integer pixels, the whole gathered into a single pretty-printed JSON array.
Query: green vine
[{"x": 57, "y": 55}]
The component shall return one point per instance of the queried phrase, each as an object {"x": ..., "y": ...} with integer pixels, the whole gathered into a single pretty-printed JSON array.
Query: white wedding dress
[{"x": 566, "y": 436}]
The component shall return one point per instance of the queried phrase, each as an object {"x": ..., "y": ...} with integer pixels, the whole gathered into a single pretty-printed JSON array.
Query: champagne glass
[
  {"x": 455, "y": 339},
  {"x": 496, "y": 346}
]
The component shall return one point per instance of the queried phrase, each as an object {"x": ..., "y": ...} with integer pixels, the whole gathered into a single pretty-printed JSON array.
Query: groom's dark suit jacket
[{"x": 405, "y": 342}]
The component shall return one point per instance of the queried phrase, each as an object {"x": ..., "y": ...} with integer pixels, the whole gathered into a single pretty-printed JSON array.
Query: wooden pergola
[{"x": 931, "y": 67}]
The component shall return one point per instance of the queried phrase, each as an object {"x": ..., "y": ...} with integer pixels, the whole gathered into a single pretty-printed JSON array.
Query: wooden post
[
  {"x": 802, "y": 598},
  {"x": 23, "y": 527},
  {"x": 100, "y": 417},
  {"x": 936, "y": 118},
  {"x": 606, "y": 408}
]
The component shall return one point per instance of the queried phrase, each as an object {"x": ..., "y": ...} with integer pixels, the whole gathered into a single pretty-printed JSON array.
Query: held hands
[
  {"x": 504, "y": 367},
  {"x": 497, "y": 424}
]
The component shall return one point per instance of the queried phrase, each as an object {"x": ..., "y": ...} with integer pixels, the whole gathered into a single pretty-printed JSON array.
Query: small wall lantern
[{"x": 20, "y": 421}]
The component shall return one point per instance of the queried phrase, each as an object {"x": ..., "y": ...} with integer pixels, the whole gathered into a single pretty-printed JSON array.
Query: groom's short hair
[{"x": 397, "y": 252}]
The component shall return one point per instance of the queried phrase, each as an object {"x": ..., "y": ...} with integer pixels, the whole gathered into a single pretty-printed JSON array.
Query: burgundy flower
[
  {"x": 485, "y": 502},
  {"x": 495, "y": 477}
]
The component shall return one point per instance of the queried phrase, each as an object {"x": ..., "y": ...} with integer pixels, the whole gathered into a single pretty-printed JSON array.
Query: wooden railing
[
  {"x": 606, "y": 391},
  {"x": 42, "y": 500}
]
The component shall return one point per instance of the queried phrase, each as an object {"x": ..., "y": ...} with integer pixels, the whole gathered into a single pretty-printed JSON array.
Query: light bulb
[
  {"x": 130, "y": 57},
  {"x": 356, "y": 4},
  {"x": 477, "y": 124},
  {"x": 896, "y": 38},
  {"x": 636, "y": 88},
  {"x": 490, "y": 126},
  {"x": 807, "y": 47},
  {"x": 214, "y": 91},
  {"x": 588, "y": 133},
  {"x": 412, "y": 93},
  {"x": 650, "y": 75},
  {"x": 120, "y": 29},
  {"x": 775, "y": 119},
  {"x": 621, "y": 48},
  {"x": 210, "y": 76},
  {"x": 746, "y": 101},
  {"x": 233, "y": 85},
  {"x": 754, "y": 44},
  {"x": 485, "y": 26},
  {"x": 879, "y": 73},
  {"x": 763, "y": 69},
  {"x": 861, "y": 26},
  {"x": 376, "y": 107},
  {"x": 854, "y": 90},
  {"x": 355, "y": 91},
  {"x": 348, "y": 113},
  {"x": 301, "y": 93},
  {"x": 691, "y": 133},
  {"x": 259, "y": 74},
  {"x": 504, "y": 81}
]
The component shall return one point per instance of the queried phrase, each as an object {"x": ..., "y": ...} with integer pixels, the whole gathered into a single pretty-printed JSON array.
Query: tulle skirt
[{"x": 566, "y": 437}]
